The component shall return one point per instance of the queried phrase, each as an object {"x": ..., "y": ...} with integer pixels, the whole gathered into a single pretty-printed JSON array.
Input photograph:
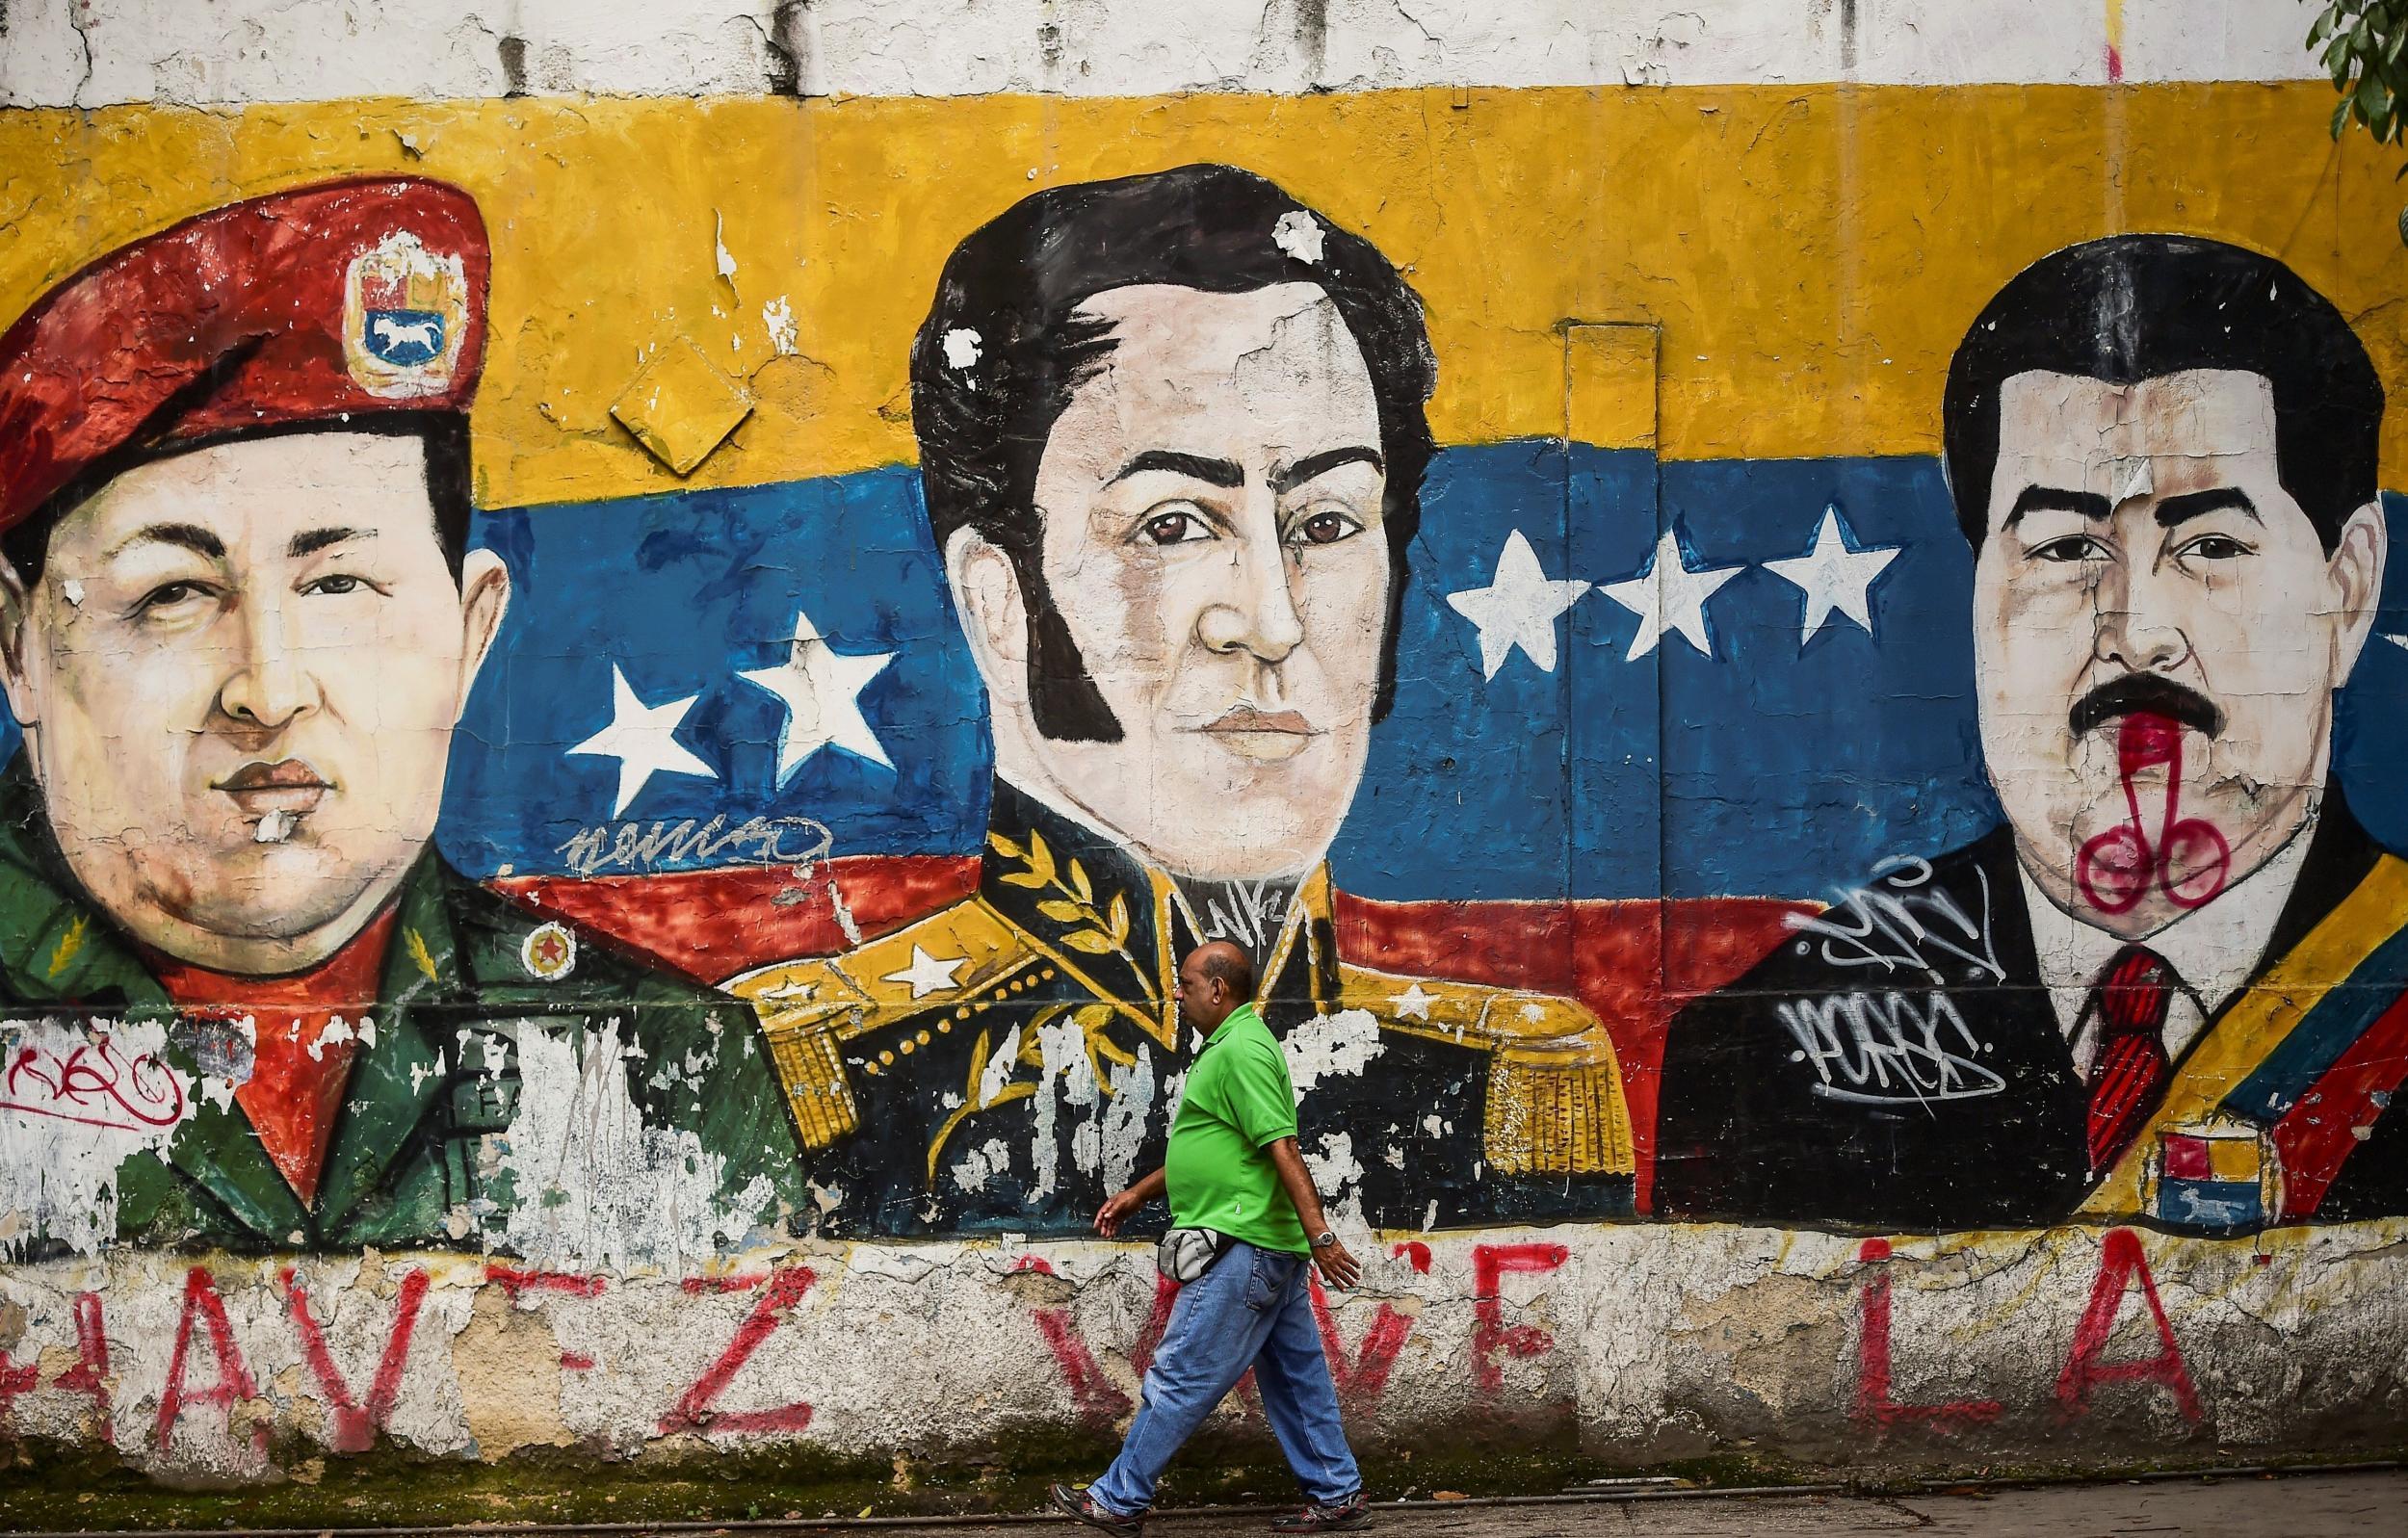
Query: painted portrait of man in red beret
[{"x": 241, "y": 615}]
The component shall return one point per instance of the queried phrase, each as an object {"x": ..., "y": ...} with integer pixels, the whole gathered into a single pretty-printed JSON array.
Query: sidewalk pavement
[{"x": 2247, "y": 1506}]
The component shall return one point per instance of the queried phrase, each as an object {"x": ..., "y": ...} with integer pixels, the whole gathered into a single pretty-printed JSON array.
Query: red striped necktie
[{"x": 2129, "y": 1073}]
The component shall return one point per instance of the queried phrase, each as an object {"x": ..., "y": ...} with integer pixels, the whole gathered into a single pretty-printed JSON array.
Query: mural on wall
[
  {"x": 1172, "y": 445},
  {"x": 630, "y": 882},
  {"x": 242, "y": 621},
  {"x": 2170, "y": 986}
]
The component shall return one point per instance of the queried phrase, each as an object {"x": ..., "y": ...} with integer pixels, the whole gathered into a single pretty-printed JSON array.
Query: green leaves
[{"x": 2362, "y": 44}]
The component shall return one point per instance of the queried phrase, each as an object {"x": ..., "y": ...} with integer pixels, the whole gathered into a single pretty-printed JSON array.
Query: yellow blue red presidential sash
[{"x": 2302, "y": 1059}]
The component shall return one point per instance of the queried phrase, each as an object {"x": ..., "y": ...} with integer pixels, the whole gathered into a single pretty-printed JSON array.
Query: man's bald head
[
  {"x": 1214, "y": 980},
  {"x": 1226, "y": 961}
]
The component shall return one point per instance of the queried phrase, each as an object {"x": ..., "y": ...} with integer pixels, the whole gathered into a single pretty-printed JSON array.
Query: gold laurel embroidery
[
  {"x": 69, "y": 943},
  {"x": 1095, "y": 931},
  {"x": 971, "y": 1103},
  {"x": 419, "y": 952}
]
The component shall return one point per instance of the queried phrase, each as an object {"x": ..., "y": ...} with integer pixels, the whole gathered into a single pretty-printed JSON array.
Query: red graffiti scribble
[
  {"x": 90, "y": 1375},
  {"x": 1091, "y": 1390},
  {"x": 16, "y": 1380},
  {"x": 2120, "y": 1261},
  {"x": 2116, "y": 869},
  {"x": 234, "y": 1382},
  {"x": 1097, "y": 1397},
  {"x": 95, "y": 1085},
  {"x": 1363, "y": 1378},
  {"x": 732, "y": 1282},
  {"x": 693, "y": 1411},
  {"x": 517, "y": 1282},
  {"x": 576, "y": 1362},
  {"x": 355, "y": 1425},
  {"x": 1414, "y": 1253},
  {"x": 1156, "y": 1322},
  {"x": 1490, "y": 1264},
  {"x": 1873, "y": 1403}
]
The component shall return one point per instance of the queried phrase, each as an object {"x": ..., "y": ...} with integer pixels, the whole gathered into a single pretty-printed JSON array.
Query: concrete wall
[{"x": 587, "y": 871}]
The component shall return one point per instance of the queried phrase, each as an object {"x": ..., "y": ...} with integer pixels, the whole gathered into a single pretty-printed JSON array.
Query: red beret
[{"x": 344, "y": 298}]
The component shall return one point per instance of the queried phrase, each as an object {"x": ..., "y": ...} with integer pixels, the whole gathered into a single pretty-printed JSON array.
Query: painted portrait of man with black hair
[
  {"x": 1172, "y": 437},
  {"x": 2169, "y": 986}
]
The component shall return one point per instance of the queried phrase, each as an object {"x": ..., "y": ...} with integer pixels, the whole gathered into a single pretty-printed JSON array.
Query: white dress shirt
[{"x": 2213, "y": 949}]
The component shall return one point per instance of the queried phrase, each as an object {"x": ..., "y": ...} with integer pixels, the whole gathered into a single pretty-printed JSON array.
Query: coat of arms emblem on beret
[{"x": 405, "y": 313}]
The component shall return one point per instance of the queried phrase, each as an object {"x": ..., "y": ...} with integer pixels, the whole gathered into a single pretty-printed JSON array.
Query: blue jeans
[{"x": 1251, "y": 1309}]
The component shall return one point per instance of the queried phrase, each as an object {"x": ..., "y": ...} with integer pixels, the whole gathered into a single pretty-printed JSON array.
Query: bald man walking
[{"x": 1244, "y": 1219}]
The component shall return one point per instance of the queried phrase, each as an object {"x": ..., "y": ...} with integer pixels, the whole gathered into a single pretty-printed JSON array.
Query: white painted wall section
[{"x": 96, "y": 53}]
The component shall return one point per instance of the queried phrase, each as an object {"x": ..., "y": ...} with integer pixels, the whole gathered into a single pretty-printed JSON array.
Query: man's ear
[
  {"x": 16, "y": 605},
  {"x": 484, "y": 597},
  {"x": 994, "y": 611},
  {"x": 2356, "y": 569}
]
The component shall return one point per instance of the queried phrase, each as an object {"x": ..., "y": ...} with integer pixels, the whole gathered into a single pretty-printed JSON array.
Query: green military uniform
[
  {"x": 419, "y": 1154},
  {"x": 1006, "y": 1063}
]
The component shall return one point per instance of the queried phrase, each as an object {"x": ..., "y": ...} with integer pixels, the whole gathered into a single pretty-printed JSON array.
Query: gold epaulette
[
  {"x": 810, "y": 1007},
  {"x": 1554, "y": 1089}
]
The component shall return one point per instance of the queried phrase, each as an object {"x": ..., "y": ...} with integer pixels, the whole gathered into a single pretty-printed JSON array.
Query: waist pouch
[{"x": 1188, "y": 1253}]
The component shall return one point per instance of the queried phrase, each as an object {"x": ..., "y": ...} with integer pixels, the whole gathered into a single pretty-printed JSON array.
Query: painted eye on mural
[
  {"x": 1323, "y": 526},
  {"x": 1176, "y": 525},
  {"x": 2213, "y": 547},
  {"x": 176, "y": 596},
  {"x": 338, "y": 584},
  {"x": 2069, "y": 548}
]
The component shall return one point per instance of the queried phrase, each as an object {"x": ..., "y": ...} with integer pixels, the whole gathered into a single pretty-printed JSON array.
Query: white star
[
  {"x": 1518, "y": 608},
  {"x": 642, "y": 738},
  {"x": 1669, "y": 584},
  {"x": 823, "y": 694},
  {"x": 1835, "y": 575},
  {"x": 927, "y": 974},
  {"x": 2401, "y": 641},
  {"x": 1412, "y": 1004}
]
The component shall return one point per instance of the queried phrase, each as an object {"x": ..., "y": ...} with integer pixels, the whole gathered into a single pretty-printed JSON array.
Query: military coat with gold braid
[{"x": 1006, "y": 1063}]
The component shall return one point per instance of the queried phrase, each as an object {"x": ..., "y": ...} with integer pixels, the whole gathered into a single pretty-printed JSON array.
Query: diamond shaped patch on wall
[{"x": 680, "y": 406}]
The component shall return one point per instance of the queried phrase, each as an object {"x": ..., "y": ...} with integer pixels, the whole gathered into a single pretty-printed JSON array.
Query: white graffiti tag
[
  {"x": 1901, "y": 921},
  {"x": 1255, "y": 913},
  {"x": 795, "y": 840},
  {"x": 1883, "y": 1049}
]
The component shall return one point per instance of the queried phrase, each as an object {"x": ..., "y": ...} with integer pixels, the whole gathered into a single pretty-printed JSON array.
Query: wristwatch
[{"x": 1324, "y": 1239}]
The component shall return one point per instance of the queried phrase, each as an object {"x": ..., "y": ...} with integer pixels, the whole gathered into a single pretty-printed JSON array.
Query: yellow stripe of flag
[{"x": 1811, "y": 254}]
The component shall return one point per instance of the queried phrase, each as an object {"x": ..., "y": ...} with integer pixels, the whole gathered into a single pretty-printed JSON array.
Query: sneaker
[
  {"x": 1080, "y": 1507},
  {"x": 1332, "y": 1516}
]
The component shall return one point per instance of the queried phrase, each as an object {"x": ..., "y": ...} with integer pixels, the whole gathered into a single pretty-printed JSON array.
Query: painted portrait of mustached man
[{"x": 2169, "y": 986}]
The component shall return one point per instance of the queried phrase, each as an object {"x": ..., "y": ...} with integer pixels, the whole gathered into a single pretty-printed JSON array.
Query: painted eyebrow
[
  {"x": 2056, "y": 499},
  {"x": 310, "y": 541},
  {"x": 190, "y": 536},
  {"x": 1315, "y": 466},
  {"x": 2174, "y": 511},
  {"x": 1196, "y": 467}
]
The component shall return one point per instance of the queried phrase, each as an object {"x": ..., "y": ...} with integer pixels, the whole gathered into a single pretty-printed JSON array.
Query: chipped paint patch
[
  {"x": 1331, "y": 1046},
  {"x": 75, "y": 1104},
  {"x": 596, "y": 1185}
]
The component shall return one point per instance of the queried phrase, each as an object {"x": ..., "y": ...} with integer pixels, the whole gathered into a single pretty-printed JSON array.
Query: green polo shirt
[{"x": 1239, "y": 1100}]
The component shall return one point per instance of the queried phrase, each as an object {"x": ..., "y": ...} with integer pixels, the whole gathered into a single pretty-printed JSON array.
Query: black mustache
[{"x": 2149, "y": 693}]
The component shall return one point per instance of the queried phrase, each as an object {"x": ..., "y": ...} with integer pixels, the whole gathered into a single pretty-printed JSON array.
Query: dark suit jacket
[{"x": 1897, "y": 1064}]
